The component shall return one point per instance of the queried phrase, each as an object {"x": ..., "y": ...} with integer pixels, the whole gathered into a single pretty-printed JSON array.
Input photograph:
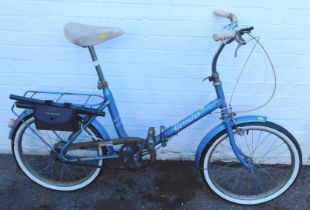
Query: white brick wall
[{"x": 155, "y": 68}]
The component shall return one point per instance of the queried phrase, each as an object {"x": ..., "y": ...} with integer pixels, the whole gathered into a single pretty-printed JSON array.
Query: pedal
[
  {"x": 164, "y": 142},
  {"x": 151, "y": 140}
]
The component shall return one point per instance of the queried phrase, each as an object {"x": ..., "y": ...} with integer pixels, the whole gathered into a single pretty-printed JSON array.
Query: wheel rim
[
  {"x": 271, "y": 154},
  {"x": 39, "y": 163}
]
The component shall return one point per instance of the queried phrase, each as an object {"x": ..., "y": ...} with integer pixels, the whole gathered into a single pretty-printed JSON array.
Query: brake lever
[
  {"x": 236, "y": 50},
  {"x": 240, "y": 41}
]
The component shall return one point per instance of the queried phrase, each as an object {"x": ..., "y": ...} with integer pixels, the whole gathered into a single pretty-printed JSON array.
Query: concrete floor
[{"x": 164, "y": 185}]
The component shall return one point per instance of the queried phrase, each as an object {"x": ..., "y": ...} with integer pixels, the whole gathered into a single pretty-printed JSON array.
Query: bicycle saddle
[{"x": 87, "y": 35}]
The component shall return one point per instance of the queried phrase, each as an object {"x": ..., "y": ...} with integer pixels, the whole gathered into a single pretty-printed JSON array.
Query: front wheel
[{"x": 271, "y": 150}]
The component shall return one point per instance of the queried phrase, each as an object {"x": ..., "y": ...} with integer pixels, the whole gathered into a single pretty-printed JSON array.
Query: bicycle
[{"x": 61, "y": 146}]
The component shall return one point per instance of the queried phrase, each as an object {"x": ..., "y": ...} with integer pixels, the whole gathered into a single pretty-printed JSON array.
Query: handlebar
[{"x": 230, "y": 35}]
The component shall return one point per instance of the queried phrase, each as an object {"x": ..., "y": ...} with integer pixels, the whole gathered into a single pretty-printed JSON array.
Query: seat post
[{"x": 102, "y": 83}]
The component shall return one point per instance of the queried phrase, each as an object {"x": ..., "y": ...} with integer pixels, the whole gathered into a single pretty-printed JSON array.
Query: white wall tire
[
  {"x": 251, "y": 200},
  {"x": 44, "y": 182}
]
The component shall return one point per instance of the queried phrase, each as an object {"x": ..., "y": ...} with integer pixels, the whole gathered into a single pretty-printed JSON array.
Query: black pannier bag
[{"x": 55, "y": 118}]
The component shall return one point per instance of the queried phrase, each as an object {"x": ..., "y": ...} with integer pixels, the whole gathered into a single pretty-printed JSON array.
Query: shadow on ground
[{"x": 164, "y": 185}]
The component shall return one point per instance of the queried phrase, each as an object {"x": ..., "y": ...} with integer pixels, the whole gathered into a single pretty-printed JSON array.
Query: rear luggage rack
[{"x": 89, "y": 104}]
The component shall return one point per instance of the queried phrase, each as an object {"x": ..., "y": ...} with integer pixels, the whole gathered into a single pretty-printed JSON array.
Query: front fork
[
  {"x": 239, "y": 154},
  {"x": 228, "y": 118}
]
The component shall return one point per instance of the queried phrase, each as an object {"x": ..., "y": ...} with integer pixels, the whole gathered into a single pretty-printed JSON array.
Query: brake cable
[
  {"x": 242, "y": 70},
  {"x": 257, "y": 39}
]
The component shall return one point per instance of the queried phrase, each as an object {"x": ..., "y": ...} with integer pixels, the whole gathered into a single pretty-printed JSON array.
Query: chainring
[{"x": 137, "y": 156}]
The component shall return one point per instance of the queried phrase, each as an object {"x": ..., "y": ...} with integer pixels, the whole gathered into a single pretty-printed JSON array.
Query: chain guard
[
  {"x": 133, "y": 155},
  {"x": 137, "y": 156}
]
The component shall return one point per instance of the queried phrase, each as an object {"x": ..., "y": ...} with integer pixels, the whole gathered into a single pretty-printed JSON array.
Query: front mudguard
[
  {"x": 28, "y": 112},
  {"x": 218, "y": 129}
]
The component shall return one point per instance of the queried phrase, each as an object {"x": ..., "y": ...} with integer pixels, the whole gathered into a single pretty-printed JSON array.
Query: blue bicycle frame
[{"x": 219, "y": 103}]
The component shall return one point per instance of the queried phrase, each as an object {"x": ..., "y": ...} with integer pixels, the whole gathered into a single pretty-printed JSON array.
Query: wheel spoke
[
  {"x": 258, "y": 184},
  {"x": 61, "y": 173},
  {"x": 41, "y": 163},
  {"x": 236, "y": 179},
  {"x": 279, "y": 153},
  {"x": 257, "y": 141},
  {"x": 263, "y": 141},
  {"x": 246, "y": 142},
  {"x": 252, "y": 146}
]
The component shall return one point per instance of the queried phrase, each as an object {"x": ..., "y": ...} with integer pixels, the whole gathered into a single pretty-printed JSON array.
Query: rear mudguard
[
  {"x": 25, "y": 114},
  {"x": 218, "y": 129}
]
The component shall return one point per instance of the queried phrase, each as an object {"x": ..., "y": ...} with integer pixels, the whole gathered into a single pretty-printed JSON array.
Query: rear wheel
[
  {"x": 270, "y": 149},
  {"x": 39, "y": 160}
]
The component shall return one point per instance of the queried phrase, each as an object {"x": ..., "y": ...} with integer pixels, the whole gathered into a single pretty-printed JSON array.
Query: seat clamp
[{"x": 102, "y": 85}]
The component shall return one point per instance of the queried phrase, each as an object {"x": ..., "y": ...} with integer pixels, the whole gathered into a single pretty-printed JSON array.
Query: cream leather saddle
[{"x": 87, "y": 35}]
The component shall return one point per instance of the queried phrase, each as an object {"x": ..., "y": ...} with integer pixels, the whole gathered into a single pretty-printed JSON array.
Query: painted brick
[{"x": 156, "y": 67}]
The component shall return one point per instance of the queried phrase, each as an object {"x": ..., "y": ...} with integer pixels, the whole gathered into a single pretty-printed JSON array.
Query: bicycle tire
[
  {"x": 30, "y": 171},
  {"x": 225, "y": 169}
]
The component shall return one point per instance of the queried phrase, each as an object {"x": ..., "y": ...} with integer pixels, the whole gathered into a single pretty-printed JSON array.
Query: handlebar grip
[
  {"x": 221, "y": 13},
  {"x": 228, "y": 15},
  {"x": 223, "y": 36}
]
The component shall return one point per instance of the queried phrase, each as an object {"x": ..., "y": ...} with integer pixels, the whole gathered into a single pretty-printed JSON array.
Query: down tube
[{"x": 174, "y": 129}]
